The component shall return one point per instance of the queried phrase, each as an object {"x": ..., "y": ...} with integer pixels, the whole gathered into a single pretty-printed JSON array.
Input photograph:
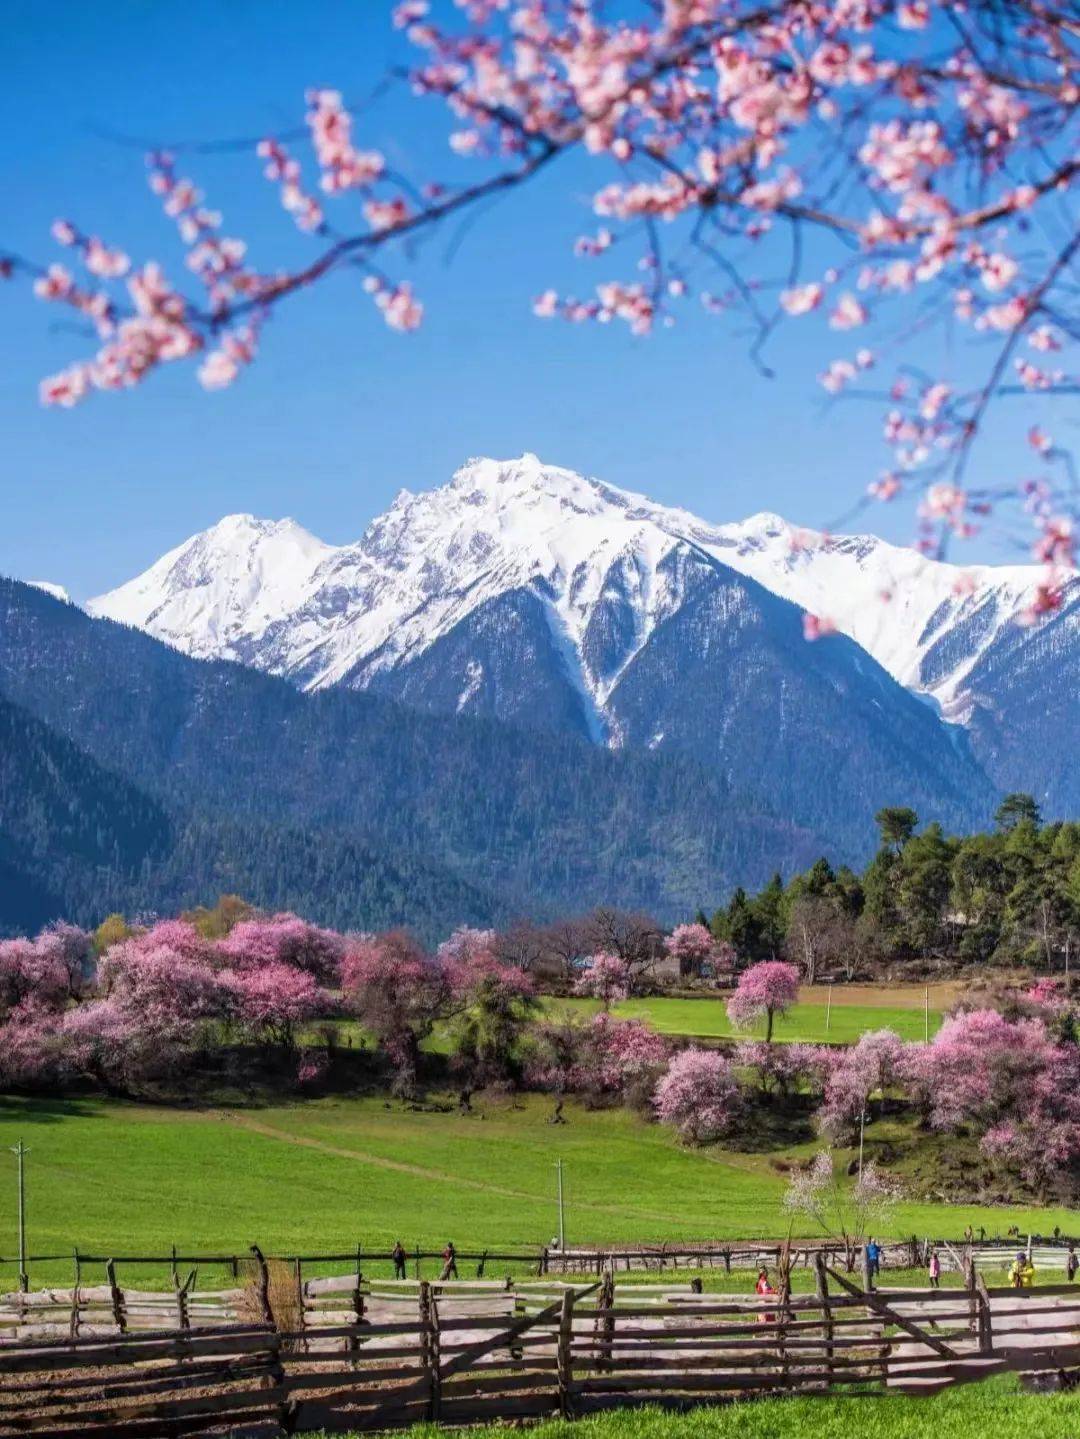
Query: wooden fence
[
  {"x": 110, "y": 1308},
  {"x": 461, "y": 1353}
]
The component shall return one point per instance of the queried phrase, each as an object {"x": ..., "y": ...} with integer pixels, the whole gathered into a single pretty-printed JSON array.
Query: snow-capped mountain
[{"x": 530, "y": 593}]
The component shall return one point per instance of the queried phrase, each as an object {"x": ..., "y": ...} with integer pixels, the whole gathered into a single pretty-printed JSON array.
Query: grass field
[
  {"x": 996, "y": 1407},
  {"x": 127, "y": 1179},
  {"x": 811, "y": 1020}
]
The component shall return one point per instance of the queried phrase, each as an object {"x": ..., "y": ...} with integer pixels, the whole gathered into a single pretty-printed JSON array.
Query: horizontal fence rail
[
  {"x": 595, "y": 1259},
  {"x": 337, "y": 1352}
]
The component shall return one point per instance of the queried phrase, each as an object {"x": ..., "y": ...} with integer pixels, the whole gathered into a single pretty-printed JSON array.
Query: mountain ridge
[{"x": 293, "y": 629}]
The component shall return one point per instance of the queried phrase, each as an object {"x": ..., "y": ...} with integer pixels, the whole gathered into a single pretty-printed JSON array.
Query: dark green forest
[{"x": 1010, "y": 895}]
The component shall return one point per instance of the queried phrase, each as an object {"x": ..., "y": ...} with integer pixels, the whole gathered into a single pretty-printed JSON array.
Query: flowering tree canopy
[
  {"x": 871, "y": 1066},
  {"x": 698, "y": 1095},
  {"x": 764, "y": 991},
  {"x": 607, "y": 978},
  {"x": 398, "y": 994},
  {"x": 894, "y": 169},
  {"x": 284, "y": 939},
  {"x": 693, "y": 946},
  {"x": 271, "y": 1001}
]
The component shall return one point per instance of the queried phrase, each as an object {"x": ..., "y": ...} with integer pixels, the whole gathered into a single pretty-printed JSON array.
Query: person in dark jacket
[
  {"x": 398, "y": 1256},
  {"x": 449, "y": 1268}
]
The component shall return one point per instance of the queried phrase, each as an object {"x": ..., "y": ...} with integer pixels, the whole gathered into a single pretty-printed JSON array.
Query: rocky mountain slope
[{"x": 527, "y": 592}]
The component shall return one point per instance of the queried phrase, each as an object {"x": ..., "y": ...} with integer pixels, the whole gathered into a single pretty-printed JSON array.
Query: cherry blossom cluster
[
  {"x": 765, "y": 991},
  {"x": 606, "y": 978},
  {"x": 140, "y": 1011}
]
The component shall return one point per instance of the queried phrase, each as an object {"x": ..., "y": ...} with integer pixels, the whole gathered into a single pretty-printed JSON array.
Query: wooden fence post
[
  {"x": 299, "y": 1281},
  {"x": 119, "y": 1313},
  {"x": 821, "y": 1282},
  {"x": 183, "y": 1316},
  {"x": 74, "y": 1322},
  {"x": 986, "y": 1318},
  {"x": 565, "y": 1355},
  {"x": 429, "y": 1347},
  {"x": 606, "y": 1301},
  {"x": 263, "y": 1283},
  {"x": 972, "y": 1295}
]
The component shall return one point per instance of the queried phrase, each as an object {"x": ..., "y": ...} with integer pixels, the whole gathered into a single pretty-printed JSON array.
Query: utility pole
[
  {"x": 862, "y": 1133},
  {"x": 828, "y": 1006},
  {"x": 20, "y": 1151},
  {"x": 562, "y": 1212},
  {"x": 926, "y": 1013}
]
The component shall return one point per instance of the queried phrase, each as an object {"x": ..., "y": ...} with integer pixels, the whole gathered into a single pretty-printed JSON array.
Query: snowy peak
[
  {"x": 222, "y": 587},
  {"x": 606, "y": 567}
]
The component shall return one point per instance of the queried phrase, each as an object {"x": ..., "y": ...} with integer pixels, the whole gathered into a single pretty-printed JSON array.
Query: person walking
[
  {"x": 449, "y": 1269},
  {"x": 397, "y": 1254},
  {"x": 1071, "y": 1263},
  {"x": 1022, "y": 1274},
  {"x": 935, "y": 1269},
  {"x": 873, "y": 1260},
  {"x": 764, "y": 1286}
]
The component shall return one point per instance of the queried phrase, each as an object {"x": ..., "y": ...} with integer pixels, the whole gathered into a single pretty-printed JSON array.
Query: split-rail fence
[{"x": 339, "y": 1353}]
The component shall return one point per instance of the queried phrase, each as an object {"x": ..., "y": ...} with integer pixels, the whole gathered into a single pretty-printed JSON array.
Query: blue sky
[{"x": 339, "y": 412}]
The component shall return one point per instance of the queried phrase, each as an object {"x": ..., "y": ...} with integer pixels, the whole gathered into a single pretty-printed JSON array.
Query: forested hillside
[
  {"x": 463, "y": 819},
  {"x": 73, "y": 836}
]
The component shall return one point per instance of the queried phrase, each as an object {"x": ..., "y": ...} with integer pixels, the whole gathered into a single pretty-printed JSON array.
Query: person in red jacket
[{"x": 763, "y": 1286}]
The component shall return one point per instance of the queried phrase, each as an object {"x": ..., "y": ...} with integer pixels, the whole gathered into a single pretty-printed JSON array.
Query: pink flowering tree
[
  {"x": 493, "y": 1006},
  {"x": 874, "y": 170},
  {"x": 399, "y": 994},
  {"x": 784, "y": 1068},
  {"x": 172, "y": 936},
  {"x": 620, "y": 1059},
  {"x": 466, "y": 946},
  {"x": 1011, "y": 1084},
  {"x": 764, "y": 991},
  {"x": 160, "y": 1003},
  {"x": 72, "y": 948},
  {"x": 691, "y": 946},
  {"x": 874, "y": 1065},
  {"x": 606, "y": 978},
  {"x": 283, "y": 939},
  {"x": 846, "y": 1212},
  {"x": 31, "y": 969},
  {"x": 698, "y": 1095},
  {"x": 272, "y": 1001}
]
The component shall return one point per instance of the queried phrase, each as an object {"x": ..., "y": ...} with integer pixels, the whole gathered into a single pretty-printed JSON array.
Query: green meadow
[
  {"x": 996, "y": 1407},
  {"x": 324, "y": 1175},
  {"x": 817, "y": 1023}
]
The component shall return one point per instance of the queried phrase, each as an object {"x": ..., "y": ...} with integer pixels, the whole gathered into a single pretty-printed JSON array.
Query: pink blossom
[
  {"x": 271, "y": 1001},
  {"x": 399, "y": 993},
  {"x": 847, "y": 313},
  {"x": 698, "y": 1095},
  {"x": 764, "y": 991},
  {"x": 692, "y": 945},
  {"x": 607, "y": 978},
  {"x": 802, "y": 299},
  {"x": 283, "y": 939}
]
